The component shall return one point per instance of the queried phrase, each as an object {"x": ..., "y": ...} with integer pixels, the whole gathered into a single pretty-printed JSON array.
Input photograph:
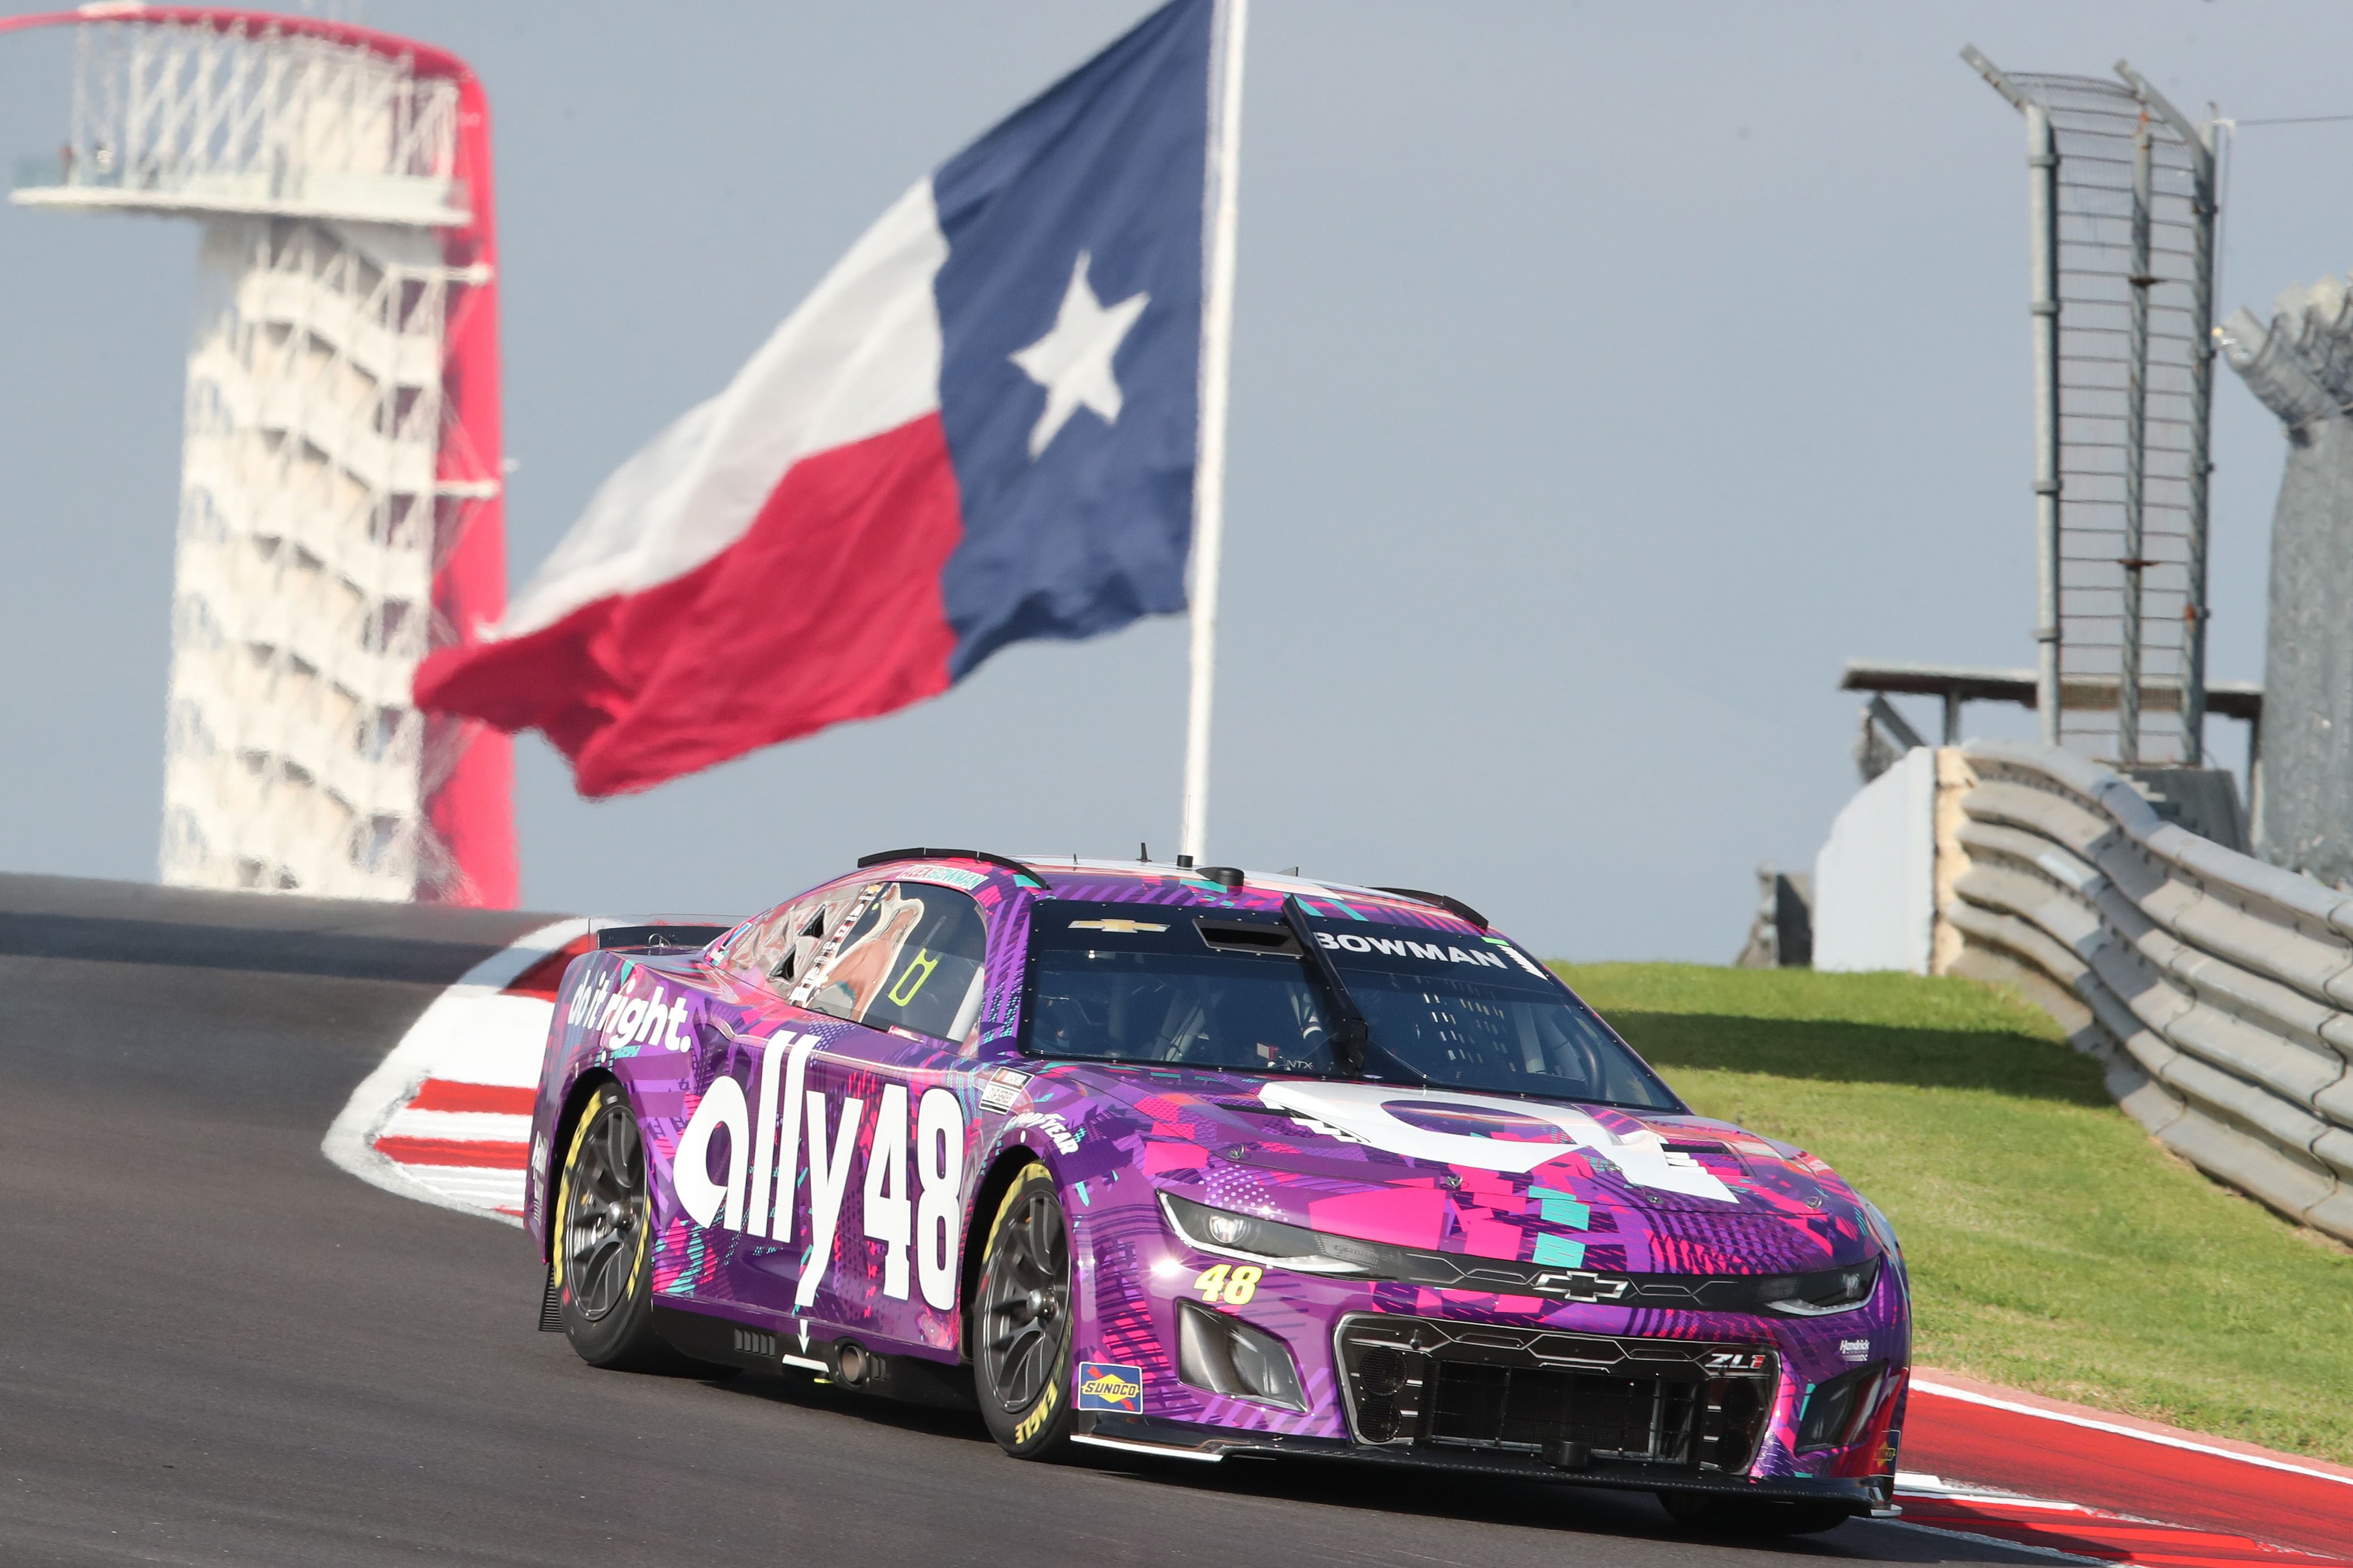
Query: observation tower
[{"x": 341, "y": 492}]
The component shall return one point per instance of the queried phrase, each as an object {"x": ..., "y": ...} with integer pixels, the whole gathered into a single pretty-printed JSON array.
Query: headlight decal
[
  {"x": 1824, "y": 1293},
  {"x": 1264, "y": 1241}
]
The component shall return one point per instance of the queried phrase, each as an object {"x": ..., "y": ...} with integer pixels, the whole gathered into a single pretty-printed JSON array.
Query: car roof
[{"x": 1159, "y": 882}]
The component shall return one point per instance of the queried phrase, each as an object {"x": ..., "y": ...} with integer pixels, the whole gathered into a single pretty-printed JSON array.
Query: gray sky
[{"x": 1604, "y": 377}]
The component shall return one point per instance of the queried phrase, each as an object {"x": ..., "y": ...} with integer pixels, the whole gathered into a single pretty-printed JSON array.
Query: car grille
[{"x": 1569, "y": 1399}]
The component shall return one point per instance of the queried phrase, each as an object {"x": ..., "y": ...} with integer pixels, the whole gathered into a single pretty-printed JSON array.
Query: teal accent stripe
[
  {"x": 1559, "y": 1208},
  {"x": 1554, "y": 1252}
]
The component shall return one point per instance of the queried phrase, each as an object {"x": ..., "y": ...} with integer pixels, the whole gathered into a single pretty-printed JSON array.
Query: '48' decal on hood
[{"x": 766, "y": 1155}]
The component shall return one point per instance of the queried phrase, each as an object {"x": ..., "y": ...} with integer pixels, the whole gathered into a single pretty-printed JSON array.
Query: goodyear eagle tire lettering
[{"x": 1021, "y": 1321}]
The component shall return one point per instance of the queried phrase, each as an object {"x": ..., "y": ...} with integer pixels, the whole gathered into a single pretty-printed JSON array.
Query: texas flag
[{"x": 981, "y": 428}]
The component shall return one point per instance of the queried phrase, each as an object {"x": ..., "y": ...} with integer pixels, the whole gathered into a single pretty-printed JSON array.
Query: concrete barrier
[
  {"x": 2218, "y": 989},
  {"x": 1874, "y": 905}
]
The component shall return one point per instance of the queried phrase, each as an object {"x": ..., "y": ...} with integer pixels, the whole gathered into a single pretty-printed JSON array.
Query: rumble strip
[{"x": 445, "y": 1118}]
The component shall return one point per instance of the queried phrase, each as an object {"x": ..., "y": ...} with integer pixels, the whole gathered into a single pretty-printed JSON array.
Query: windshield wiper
[{"x": 1350, "y": 1033}]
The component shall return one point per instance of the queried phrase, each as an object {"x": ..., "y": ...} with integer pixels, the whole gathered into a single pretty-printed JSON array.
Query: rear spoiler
[{"x": 680, "y": 935}]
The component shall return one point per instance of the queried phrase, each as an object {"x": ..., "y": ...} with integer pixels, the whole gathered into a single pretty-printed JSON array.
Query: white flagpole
[{"x": 1224, "y": 173}]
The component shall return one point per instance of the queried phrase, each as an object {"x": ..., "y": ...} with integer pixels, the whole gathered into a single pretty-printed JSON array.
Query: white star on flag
[{"x": 1072, "y": 361}]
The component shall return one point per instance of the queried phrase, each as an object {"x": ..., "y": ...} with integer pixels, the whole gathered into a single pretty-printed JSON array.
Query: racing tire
[
  {"x": 1753, "y": 1515},
  {"x": 604, "y": 1228},
  {"x": 1021, "y": 1321}
]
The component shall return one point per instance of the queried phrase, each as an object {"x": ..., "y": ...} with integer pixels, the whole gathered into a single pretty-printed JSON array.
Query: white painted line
[
  {"x": 1153, "y": 1449},
  {"x": 470, "y": 1023},
  {"x": 2052, "y": 1552},
  {"x": 1920, "y": 1484},
  {"x": 477, "y": 1186},
  {"x": 1946, "y": 1391},
  {"x": 463, "y": 1126},
  {"x": 506, "y": 1035}
]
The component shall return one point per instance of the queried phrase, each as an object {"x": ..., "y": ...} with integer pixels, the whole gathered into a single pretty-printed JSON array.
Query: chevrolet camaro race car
[{"x": 1193, "y": 1163}]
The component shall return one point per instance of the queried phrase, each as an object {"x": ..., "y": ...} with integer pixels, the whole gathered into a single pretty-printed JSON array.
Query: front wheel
[
  {"x": 1718, "y": 1515},
  {"x": 1021, "y": 1321}
]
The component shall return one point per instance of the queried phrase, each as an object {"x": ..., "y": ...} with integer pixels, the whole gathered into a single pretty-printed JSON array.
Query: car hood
[{"x": 1491, "y": 1175}]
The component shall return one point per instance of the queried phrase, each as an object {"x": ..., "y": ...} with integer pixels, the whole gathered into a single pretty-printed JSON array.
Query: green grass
[{"x": 2053, "y": 1243}]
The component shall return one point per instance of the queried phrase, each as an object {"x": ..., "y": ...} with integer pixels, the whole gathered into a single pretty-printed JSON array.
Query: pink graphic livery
[{"x": 1198, "y": 1162}]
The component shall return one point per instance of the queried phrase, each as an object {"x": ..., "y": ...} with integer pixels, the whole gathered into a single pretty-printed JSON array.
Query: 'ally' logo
[{"x": 1102, "y": 1387}]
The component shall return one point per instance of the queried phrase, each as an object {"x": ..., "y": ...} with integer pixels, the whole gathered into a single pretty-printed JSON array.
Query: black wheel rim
[
  {"x": 602, "y": 1231},
  {"x": 1025, "y": 1302}
]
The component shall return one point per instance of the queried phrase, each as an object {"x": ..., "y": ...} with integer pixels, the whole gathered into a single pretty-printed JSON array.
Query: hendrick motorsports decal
[
  {"x": 1103, "y": 1386},
  {"x": 1370, "y": 1113}
]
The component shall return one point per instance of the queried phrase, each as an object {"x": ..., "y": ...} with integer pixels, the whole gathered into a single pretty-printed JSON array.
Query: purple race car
[{"x": 1190, "y": 1162}]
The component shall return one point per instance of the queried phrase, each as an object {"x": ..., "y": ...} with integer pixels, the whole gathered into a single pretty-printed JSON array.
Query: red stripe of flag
[
  {"x": 448, "y": 1094},
  {"x": 454, "y": 1151},
  {"x": 672, "y": 678}
]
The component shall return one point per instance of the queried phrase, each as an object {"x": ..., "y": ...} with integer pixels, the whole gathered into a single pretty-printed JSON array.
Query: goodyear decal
[
  {"x": 1051, "y": 1124},
  {"x": 1035, "y": 1422},
  {"x": 1106, "y": 1387}
]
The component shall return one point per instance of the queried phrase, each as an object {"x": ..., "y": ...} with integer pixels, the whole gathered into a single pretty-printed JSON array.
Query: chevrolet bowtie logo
[
  {"x": 1117, "y": 928},
  {"x": 1580, "y": 1286}
]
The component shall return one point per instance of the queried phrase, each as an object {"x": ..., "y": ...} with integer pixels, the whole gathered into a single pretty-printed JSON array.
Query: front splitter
[{"x": 1146, "y": 1434}]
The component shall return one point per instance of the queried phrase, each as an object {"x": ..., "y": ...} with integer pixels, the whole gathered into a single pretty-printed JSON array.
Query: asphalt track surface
[{"x": 216, "y": 1347}]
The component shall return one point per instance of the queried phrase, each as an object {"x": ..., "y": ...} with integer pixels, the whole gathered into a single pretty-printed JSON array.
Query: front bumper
[
  {"x": 1152, "y": 1436},
  {"x": 1582, "y": 1392},
  {"x": 1572, "y": 1400}
]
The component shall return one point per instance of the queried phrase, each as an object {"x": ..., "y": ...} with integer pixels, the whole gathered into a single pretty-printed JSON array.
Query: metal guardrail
[{"x": 2218, "y": 989}]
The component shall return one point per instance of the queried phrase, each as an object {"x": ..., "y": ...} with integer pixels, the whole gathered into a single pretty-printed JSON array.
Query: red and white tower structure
[{"x": 341, "y": 497}]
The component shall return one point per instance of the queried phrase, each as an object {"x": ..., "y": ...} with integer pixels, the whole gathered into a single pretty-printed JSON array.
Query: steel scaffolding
[
  {"x": 341, "y": 485},
  {"x": 2122, "y": 215}
]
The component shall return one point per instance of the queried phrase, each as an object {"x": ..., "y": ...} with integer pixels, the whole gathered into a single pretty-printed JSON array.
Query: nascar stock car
[{"x": 1194, "y": 1162}]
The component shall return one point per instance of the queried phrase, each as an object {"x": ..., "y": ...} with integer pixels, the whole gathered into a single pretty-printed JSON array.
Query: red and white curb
[
  {"x": 445, "y": 1118},
  {"x": 2073, "y": 1532},
  {"x": 2124, "y": 1468}
]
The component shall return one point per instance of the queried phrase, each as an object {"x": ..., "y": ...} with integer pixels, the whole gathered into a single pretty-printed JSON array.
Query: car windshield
[{"x": 1142, "y": 983}]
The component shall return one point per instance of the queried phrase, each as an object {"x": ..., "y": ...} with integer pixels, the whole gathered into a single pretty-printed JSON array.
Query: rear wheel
[
  {"x": 1753, "y": 1515},
  {"x": 1021, "y": 1321},
  {"x": 603, "y": 1236}
]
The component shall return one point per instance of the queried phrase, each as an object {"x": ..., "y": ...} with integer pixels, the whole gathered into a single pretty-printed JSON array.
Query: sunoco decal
[{"x": 1104, "y": 1386}]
